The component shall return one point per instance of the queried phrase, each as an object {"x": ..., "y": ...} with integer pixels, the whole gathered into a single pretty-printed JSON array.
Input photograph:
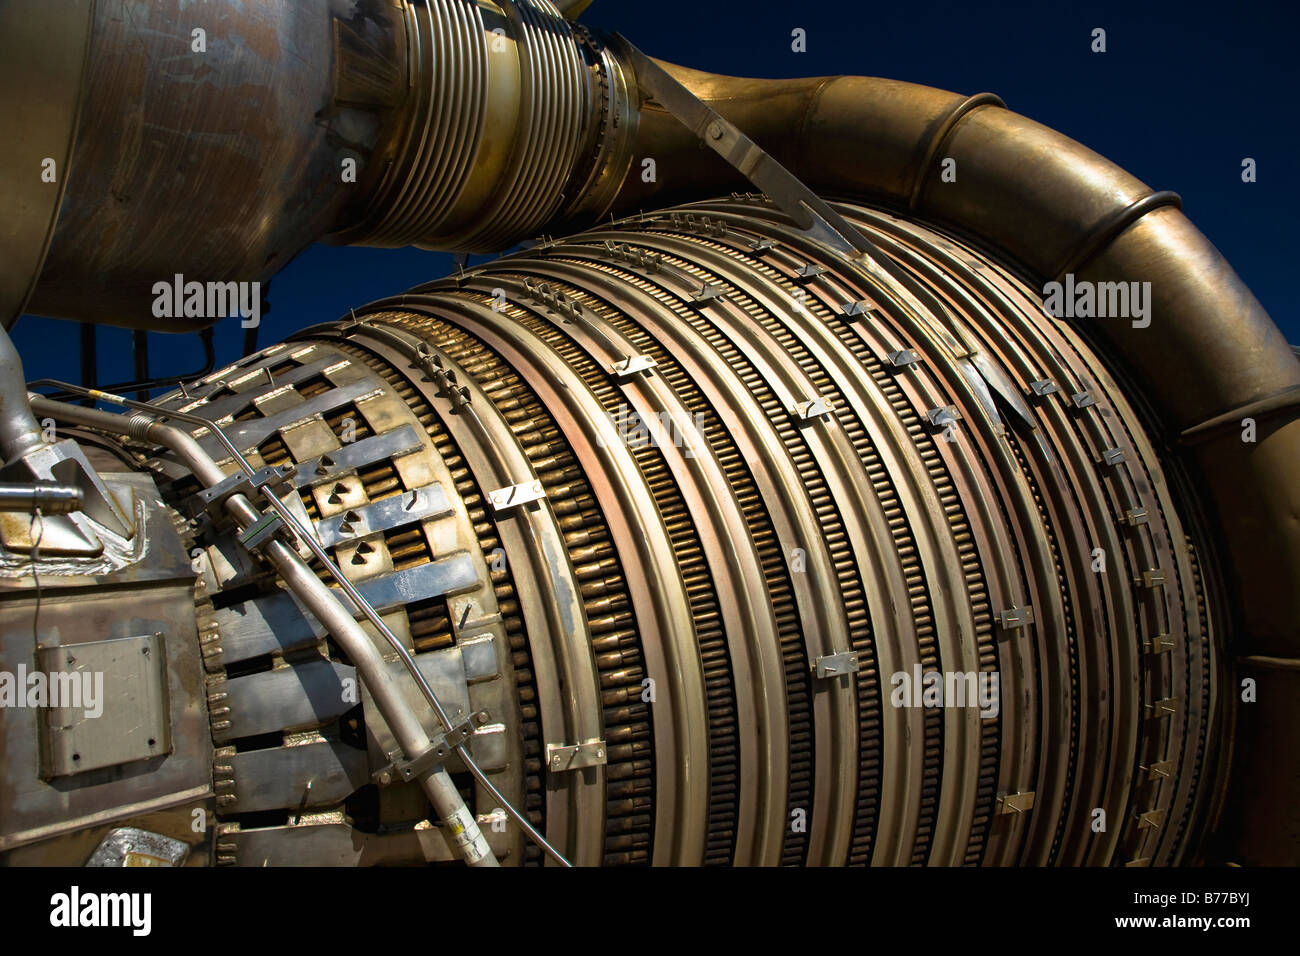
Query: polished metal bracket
[
  {"x": 575, "y": 756},
  {"x": 404, "y": 771},
  {"x": 836, "y": 665}
]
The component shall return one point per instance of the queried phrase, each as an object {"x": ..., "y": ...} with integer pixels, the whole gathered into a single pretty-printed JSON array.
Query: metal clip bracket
[
  {"x": 812, "y": 408},
  {"x": 561, "y": 757},
  {"x": 1016, "y": 617},
  {"x": 706, "y": 293},
  {"x": 1165, "y": 707},
  {"x": 512, "y": 496},
  {"x": 836, "y": 665},
  {"x": 1162, "y": 768},
  {"x": 1135, "y": 516},
  {"x": 1015, "y": 802},
  {"x": 1160, "y": 644},
  {"x": 625, "y": 368},
  {"x": 261, "y": 531},
  {"x": 902, "y": 358},
  {"x": 404, "y": 771},
  {"x": 1151, "y": 820},
  {"x": 275, "y": 480},
  {"x": 1150, "y": 578}
]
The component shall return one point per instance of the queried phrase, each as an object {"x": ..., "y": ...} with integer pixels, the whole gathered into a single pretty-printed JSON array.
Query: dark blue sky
[{"x": 1184, "y": 92}]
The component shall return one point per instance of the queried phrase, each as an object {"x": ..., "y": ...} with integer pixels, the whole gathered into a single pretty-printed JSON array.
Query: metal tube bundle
[{"x": 752, "y": 549}]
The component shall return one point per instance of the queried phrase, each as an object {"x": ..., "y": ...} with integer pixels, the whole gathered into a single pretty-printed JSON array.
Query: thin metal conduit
[{"x": 324, "y": 605}]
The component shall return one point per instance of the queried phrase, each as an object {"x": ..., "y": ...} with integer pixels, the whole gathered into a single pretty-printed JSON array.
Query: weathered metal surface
[
  {"x": 744, "y": 449},
  {"x": 291, "y": 698},
  {"x": 43, "y": 48},
  {"x": 298, "y": 777},
  {"x": 131, "y": 846},
  {"x": 121, "y": 713},
  {"x": 371, "y": 122},
  {"x": 334, "y": 843},
  {"x": 153, "y": 592},
  {"x": 924, "y": 472},
  {"x": 265, "y": 87}
]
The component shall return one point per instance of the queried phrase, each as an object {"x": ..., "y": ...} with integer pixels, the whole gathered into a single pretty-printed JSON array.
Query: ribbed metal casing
[
  {"x": 777, "y": 489},
  {"x": 503, "y": 107}
]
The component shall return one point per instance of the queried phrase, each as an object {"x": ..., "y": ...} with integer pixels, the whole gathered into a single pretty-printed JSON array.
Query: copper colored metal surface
[
  {"x": 1042, "y": 200},
  {"x": 888, "y": 469},
  {"x": 786, "y": 536},
  {"x": 43, "y": 52}
]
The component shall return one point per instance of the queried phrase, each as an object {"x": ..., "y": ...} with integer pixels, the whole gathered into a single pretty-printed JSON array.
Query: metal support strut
[{"x": 805, "y": 207}]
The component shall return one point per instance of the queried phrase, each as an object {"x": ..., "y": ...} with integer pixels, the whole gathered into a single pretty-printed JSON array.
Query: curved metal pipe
[
  {"x": 462, "y": 829},
  {"x": 19, "y": 432}
]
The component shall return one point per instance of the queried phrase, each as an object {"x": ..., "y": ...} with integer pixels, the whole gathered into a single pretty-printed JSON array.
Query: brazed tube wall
[{"x": 305, "y": 87}]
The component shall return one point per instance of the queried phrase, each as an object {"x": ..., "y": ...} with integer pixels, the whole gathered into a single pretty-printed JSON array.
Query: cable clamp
[
  {"x": 275, "y": 480},
  {"x": 404, "y": 771}
]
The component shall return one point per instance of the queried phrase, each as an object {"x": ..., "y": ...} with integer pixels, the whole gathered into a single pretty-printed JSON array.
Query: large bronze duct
[{"x": 706, "y": 484}]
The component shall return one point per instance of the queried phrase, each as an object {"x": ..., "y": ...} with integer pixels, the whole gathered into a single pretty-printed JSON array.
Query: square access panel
[{"x": 113, "y": 706}]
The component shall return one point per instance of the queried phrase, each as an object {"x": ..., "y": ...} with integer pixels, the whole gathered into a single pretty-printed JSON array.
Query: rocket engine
[{"x": 781, "y": 501}]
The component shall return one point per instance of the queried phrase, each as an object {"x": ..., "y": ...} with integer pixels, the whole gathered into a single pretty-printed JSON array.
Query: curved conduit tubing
[
  {"x": 464, "y": 833},
  {"x": 1052, "y": 206}
]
